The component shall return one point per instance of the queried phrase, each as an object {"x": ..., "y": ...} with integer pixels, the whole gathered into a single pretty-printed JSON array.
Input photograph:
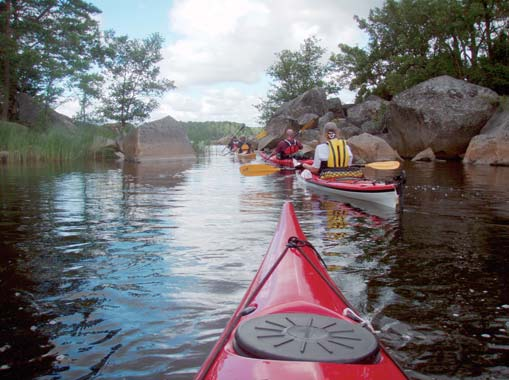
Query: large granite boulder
[
  {"x": 276, "y": 130},
  {"x": 33, "y": 114},
  {"x": 324, "y": 119},
  {"x": 426, "y": 155},
  {"x": 442, "y": 113},
  {"x": 312, "y": 101},
  {"x": 491, "y": 146},
  {"x": 347, "y": 129},
  {"x": 335, "y": 106},
  {"x": 368, "y": 115},
  {"x": 302, "y": 112},
  {"x": 157, "y": 140},
  {"x": 369, "y": 148}
]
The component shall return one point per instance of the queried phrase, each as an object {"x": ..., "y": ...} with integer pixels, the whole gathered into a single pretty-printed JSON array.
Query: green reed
[{"x": 27, "y": 145}]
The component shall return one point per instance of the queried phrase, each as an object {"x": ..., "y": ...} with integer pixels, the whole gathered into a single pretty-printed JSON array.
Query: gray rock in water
[
  {"x": 442, "y": 113},
  {"x": 491, "y": 146},
  {"x": 369, "y": 148},
  {"x": 157, "y": 140},
  {"x": 426, "y": 155}
]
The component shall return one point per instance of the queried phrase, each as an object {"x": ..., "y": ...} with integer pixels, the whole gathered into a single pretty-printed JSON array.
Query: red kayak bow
[{"x": 294, "y": 322}]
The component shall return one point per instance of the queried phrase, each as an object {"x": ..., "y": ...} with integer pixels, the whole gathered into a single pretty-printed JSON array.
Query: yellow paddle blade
[
  {"x": 257, "y": 169},
  {"x": 384, "y": 165},
  {"x": 310, "y": 124},
  {"x": 261, "y": 135}
]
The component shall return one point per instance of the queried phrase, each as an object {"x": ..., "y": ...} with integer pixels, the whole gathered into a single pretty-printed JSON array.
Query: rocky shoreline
[{"x": 439, "y": 119}]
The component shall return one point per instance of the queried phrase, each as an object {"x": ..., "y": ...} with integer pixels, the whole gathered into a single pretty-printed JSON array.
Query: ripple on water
[{"x": 133, "y": 272}]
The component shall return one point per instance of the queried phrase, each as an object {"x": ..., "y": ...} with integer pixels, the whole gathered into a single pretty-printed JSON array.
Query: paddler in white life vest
[
  {"x": 244, "y": 146},
  {"x": 334, "y": 153},
  {"x": 288, "y": 147}
]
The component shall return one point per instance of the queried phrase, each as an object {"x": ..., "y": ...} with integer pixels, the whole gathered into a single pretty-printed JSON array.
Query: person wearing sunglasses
[{"x": 334, "y": 153}]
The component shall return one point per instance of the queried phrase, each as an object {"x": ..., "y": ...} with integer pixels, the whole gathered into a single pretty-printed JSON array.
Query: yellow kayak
[{"x": 246, "y": 156}]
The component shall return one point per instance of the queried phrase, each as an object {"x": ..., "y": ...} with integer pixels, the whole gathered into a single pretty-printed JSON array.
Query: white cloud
[
  {"x": 211, "y": 104},
  {"x": 235, "y": 41},
  {"x": 69, "y": 108},
  {"x": 218, "y": 51}
]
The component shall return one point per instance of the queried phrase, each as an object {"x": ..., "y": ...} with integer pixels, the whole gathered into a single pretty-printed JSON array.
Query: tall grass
[{"x": 27, "y": 145}]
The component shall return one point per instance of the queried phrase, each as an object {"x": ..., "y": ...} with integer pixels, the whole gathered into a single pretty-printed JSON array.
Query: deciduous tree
[
  {"x": 88, "y": 88},
  {"x": 42, "y": 44},
  {"x": 293, "y": 73},
  {"x": 414, "y": 40},
  {"x": 132, "y": 76}
]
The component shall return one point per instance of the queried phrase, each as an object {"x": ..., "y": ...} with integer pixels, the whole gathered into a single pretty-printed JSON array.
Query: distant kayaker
[
  {"x": 233, "y": 145},
  {"x": 332, "y": 154},
  {"x": 244, "y": 146},
  {"x": 288, "y": 147}
]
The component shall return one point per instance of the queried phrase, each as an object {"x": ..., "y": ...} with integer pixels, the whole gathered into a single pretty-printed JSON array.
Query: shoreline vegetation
[
  {"x": 117, "y": 79},
  {"x": 202, "y": 134},
  {"x": 21, "y": 144},
  {"x": 24, "y": 145}
]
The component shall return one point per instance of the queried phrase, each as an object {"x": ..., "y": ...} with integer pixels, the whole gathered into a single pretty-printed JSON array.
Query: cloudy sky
[{"x": 217, "y": 51}]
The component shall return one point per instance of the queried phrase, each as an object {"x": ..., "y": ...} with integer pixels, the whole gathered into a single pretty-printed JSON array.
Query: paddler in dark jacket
[
  {"x": 233, "y": 145},
  {"x": 334, "y": 153},
  {"x": 288, "y": 147}
]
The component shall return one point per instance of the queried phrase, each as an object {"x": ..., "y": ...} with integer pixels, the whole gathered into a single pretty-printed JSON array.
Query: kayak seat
[{"x": 306, "y": 337}]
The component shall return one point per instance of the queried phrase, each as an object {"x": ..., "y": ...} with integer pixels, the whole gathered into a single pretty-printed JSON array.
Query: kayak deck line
[{"x": 294, "y": 322}]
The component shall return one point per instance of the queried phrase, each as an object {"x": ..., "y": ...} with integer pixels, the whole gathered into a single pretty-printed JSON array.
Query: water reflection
[
  {"x": 353, "y": 243},
  {"x": 94, "y": 248},
  {"x": 162, "y": 173},
  {"x": 448, "y": 318},
  {"x": 132, "y": 271}
]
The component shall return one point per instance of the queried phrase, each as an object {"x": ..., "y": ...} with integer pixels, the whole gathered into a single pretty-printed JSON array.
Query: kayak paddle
[
  {"x": 264, "y": 169},
  {"x": 381, "y": 165},
  {"x": 250, "y": 170},
  {"x": 261, "y": 135},
  {"x": 308, "y": 125}
]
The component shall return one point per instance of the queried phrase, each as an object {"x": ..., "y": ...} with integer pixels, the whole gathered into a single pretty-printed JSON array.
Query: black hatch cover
[{"x": 306, "y": 337}]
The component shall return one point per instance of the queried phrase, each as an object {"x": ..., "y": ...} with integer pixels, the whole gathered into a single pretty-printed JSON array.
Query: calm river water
[{"x": 132, "y": 271}]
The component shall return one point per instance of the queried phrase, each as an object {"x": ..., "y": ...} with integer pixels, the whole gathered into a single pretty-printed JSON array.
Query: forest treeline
[{"x": 202, "y": 133}]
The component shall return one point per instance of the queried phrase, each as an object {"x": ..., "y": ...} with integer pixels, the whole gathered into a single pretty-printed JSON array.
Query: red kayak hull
[
  {"x": 362, "y": 189},
  {"x": 290, "y": 280},
  {"x": 286, "y": 163}
]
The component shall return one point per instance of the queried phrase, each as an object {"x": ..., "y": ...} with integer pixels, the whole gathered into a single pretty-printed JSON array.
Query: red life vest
[{"x": 292, "y": 147}]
